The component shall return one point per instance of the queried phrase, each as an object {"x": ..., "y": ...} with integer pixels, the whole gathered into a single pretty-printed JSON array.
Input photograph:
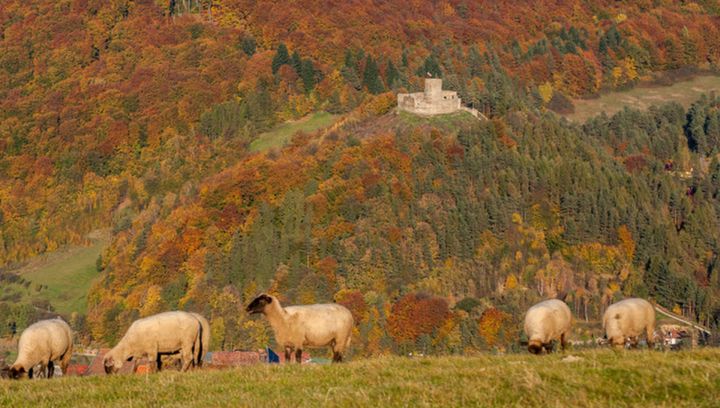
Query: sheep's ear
[{"x": 267, "y": 299}]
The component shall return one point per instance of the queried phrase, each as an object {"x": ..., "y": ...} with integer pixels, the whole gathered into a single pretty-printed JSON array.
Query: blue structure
[{"x": 272, "y": 357}]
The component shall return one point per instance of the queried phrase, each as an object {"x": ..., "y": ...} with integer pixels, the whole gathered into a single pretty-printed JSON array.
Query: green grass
[
  {"x": 685, "y": 93},
  {"x": 279, "y": 136},
  {"x": 67, "y": 273},
  {"x": 600, "y": 378}
]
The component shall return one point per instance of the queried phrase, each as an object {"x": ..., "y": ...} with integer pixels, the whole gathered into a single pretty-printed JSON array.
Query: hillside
[
  {"x": 588, "y": 379},
  {"x": 50, "y": 284},
  {"x": 108, "y": 106},
  {"x": 174, "y": 125},
  {"x": 461, "y": 228}
]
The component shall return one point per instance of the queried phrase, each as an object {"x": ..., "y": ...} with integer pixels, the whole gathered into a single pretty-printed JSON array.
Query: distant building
[{"x": 433, "y": 101}]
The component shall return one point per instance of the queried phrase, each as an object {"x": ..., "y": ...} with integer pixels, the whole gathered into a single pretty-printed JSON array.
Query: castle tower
[
  {"x": 433, "y": 89},
  {"x": 433, "y": 101}
]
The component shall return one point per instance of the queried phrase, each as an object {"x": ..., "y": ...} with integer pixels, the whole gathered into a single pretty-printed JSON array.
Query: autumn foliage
[{"x": 416, "y": 314}]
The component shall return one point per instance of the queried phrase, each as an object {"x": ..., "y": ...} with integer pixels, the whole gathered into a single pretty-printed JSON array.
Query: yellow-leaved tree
[{"x": 546, "y": 92}]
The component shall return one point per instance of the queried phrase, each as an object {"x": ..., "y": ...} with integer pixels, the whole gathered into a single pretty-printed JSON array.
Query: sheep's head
[
  {"x": 258, "y": 304},
  {"x": 16, "y": 372},
  {"x": 112, "y": 365},
  {"x": 617, "y": 341},
  {"x": 535, "y": 347}
]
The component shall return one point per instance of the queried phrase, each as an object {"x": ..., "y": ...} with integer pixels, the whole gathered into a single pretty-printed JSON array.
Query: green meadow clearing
[
  {"x": 597, "y": 378},
  {"x": 282, "y": 134},
  {"x": 65, "y": 275},
  {"x": 642, "y": 97}
]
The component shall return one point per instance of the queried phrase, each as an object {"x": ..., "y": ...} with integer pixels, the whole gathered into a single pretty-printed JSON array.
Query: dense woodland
[{"x": 137, "y": 115}]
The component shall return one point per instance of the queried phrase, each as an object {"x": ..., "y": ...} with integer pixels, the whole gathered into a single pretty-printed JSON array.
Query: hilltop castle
[{"x": 434, "y": 101}]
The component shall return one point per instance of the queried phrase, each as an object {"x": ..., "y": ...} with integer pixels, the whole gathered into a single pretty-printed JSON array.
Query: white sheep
[
  {"x": 41, "y": 344},
  {"x": 627, "y": 320},
  {"x": 545, "y": 322},
  {"x": 163, "y": 333},
  {"x": 297, "y": 327}
]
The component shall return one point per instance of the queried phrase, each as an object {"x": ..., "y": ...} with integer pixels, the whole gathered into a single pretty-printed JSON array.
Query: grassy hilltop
[{"x": 597, "y": 378}]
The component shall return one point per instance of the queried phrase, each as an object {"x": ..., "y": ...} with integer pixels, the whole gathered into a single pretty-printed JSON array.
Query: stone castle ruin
[{"x": 433, "y": 101}]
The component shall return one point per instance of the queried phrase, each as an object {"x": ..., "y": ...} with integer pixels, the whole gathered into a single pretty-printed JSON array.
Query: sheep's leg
[
  {"x": 154, "y": 361},
  {"x": 337, "y": 357},
  {"x": 288, "y": 351},
  {"x": 650, "y": 337},
  {"x": 186, "y": 354},
  {"x": 30, "y": 372},
  {"x": 65, "y": 361},
  {"x": 42, "y": 373},
  {"x": 298, "y": 356},
  {"x": 186, "y": 361},
  {"x": 563, "y": 341},
  {"x": 50, "y": 369},
  {"x": 338, "y": 347},
  {"x": 634, "y": 342}
]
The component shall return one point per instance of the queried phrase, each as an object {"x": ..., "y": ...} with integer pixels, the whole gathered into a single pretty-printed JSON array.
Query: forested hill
[
  {"x": 404, "y": 223},
  {"x": 137, "y": 115},
  {"x": 106, "y": 104}
]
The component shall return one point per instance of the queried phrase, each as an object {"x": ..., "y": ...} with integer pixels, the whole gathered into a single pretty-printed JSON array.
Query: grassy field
[
  {"x": 282, "y": 134},
  {"x": 684, "y": 92},
  {"x": 589, "y": 378},
  {"x": 66, "y": 275}
]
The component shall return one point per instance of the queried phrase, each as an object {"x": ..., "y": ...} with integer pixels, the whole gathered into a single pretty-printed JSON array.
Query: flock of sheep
[
  {"x": 187, "y": 335},
  {"x": 623, "y": 322}
]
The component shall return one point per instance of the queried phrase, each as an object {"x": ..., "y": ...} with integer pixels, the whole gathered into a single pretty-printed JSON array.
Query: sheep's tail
[
  {"x": 198, "y": 347},
  {"x": 349, "y": 337}
]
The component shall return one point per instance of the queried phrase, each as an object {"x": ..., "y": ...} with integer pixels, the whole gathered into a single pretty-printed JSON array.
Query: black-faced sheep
[
  {"x": 546, "y": 322},
  {"x": 629, "y": 319},
  {"x": 41, "y": 344},
  {"x": 298, "y": 327},
  {"x": 163, "y": 333}
]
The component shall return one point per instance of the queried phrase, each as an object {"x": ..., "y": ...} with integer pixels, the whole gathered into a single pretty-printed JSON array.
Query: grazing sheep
[
  {"x": 547, "y": 321},
  {"x": 41, "y": 344},
  {"x": 205, "y": 338},
  {"x": 297, "y": 327},
  {"x": 163, "y": 333},
  {"x": 627, "y": 319}
]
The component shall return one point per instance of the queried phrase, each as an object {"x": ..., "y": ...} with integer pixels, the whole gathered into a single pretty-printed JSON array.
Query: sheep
[
  {"x": 547, "y": 321},
  {"x": 205, "y": 338},
  {"x": 297, "y": 327},
  {"x": 42, "y": 344},
  {"x": 163, "y": 333},
  {"x": 627, "y": 319}
]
